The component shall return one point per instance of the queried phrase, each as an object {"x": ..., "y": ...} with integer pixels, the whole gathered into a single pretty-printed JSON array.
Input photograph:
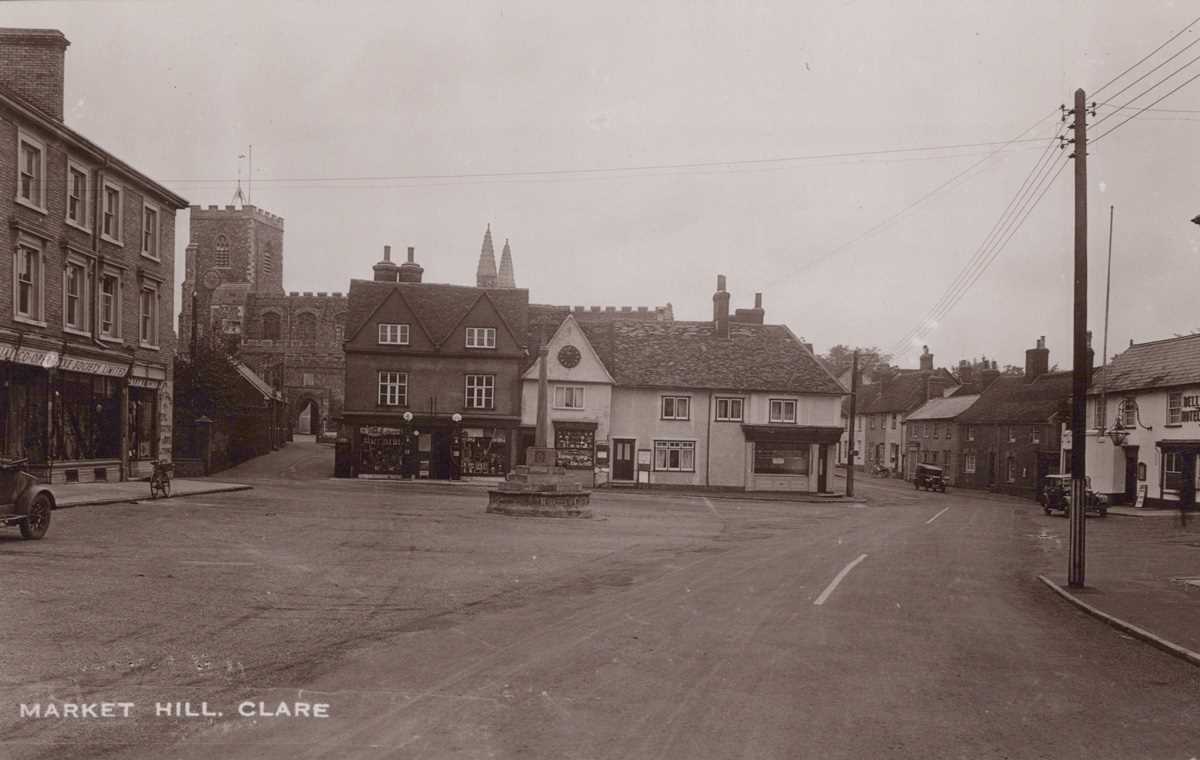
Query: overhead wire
[
  {"x": 1140, "y": 111},
  {"x": 1146, "y": 91},
  {"x": 1034, "y": 175},
  {"x": 1147, "y": 57}
]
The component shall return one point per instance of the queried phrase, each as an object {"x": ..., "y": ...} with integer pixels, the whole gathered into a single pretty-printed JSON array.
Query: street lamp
[{"x": 456, "y": 447}]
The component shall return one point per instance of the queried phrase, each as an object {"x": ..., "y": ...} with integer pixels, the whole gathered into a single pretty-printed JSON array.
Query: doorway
[
  {"x": 308, "y": 421},
  {"x": 1131, "y": 472},
  {"x": 622, "y": 461},
  {"x": 822, "y": 467},
  {"x": 440, "y": 467}
]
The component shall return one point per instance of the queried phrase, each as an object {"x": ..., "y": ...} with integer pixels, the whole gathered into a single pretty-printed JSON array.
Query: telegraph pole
[
  {"x": 850, "y": 429},
  {"x": 1077, "y": 536}
]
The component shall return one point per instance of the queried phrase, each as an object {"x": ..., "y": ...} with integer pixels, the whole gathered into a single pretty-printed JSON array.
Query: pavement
[
  {"x": 670, "y": 626},
  {"x": 87, "y": 494}
]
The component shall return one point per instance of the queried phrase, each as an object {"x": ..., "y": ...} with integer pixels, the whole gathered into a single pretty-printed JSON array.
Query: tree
[{"x": 870, "y": 359}]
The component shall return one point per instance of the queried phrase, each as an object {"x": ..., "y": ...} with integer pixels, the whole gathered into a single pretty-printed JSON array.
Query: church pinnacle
[
  {"x": 506, "y": 279},
  {"x": 485, "y": 275}
]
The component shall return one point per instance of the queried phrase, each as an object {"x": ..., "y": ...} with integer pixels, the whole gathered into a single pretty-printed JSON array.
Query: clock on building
[
  {"x": 568, "y": 356},
  {"x": 212, "y": 278}
]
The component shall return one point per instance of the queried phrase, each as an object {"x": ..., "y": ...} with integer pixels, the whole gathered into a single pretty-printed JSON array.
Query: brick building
[
  {"x": 933, "y": 435},
  {"x": 1011, "y": 437},
  {"x": 234, "y": 276},
  {"x": 86, "y": 343},
  {"x": 886, "y": 403}
]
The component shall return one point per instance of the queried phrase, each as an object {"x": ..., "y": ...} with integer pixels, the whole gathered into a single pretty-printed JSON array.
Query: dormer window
[
  {"x": 393, "y": 334},
  {"x": 481, "y": 337}
]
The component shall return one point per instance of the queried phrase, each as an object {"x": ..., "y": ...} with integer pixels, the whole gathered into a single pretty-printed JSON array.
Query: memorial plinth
[{"x": 540, "y": 489}]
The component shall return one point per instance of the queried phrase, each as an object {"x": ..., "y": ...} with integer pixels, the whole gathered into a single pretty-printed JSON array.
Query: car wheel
[{"x": 37, "y": 522}]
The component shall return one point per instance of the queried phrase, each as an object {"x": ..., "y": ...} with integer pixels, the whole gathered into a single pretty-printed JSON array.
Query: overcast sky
[{"x": 395, "y": 92}]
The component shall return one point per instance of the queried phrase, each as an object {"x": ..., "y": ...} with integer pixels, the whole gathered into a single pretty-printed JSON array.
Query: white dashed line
[
  {"x": 837, "y": 579},
  {"x": 939, "y": 514}
]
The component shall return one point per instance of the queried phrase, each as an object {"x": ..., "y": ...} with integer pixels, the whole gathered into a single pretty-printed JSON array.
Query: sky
[{"x": 419, "y": 124}]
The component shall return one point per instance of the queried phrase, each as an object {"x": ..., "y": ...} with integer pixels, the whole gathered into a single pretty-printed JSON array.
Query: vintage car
[
  {"x": 23, "y": 501},
  {"x": 1055, "y": 496},
  {"x": 929, "y": 477}
]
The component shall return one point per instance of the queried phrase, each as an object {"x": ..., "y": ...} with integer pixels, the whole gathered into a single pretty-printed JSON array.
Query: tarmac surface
[{"x": 670, "y": 626}]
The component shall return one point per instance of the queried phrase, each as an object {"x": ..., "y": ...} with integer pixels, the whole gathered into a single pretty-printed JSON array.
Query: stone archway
[{"x": 307, "y": 418}]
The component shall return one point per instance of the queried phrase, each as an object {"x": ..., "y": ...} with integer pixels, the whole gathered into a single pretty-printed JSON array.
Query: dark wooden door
[
  {"x": 622, "y": 458},
  {"x": 1131, "y": 461},
  {"x": 822, "y": 467}
]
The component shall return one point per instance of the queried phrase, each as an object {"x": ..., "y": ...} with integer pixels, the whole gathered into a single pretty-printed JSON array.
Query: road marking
[
  {"x": 838, "y": 579},
  {"x": 939, "y": 514},
  {"x": 711, "y": 508},
  {"x": 216, "y": 563}
]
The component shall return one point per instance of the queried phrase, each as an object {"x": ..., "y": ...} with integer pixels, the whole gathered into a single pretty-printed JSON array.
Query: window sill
[
  {"x": 1173, "y": 425},
  {"x": 146, "y": 255},
  {"x": 781, "y": 422},
  {"x": 150, "y": 346},
  {"x": 480, "y": 348},
  {"x": 675, "y": 419},
  {"x": 76, "y": 331},
  {"x": 392, "y": 344},
  {"x": 30, "y": 204},
  {"x": 78, "y": 225},
  {"x": 724, "y": 420},
  {"x": 112, "y": 240},
  {"x": 111, "y": 338},
  {"x": 29, "y": 320}
]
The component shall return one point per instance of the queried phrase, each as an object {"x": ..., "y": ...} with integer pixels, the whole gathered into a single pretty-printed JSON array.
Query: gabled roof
[
  {"x": 256, "y": 382},
  {"x": 438, "y": 307},
  {"x": 1156, "y": 364},
  {"x": 943, "y": 408},
  {"x": 1009, "y": 399},
  {"x": 690, "y": 355},
  {"x": 904, "y": 391},
  {"x": 867, "y": 394}
]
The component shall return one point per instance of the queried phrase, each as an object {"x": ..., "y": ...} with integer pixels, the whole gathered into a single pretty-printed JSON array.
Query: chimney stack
[
  {"x": 1037, "y": 360},
  {"x": 926, "y": 358},
  {"x": 966, "y": 372},
  {"x": 721, "y": 309},
  {"x": 32, "y": 63},
  {"x": 386, "y": 271},
  {"x": 751, "y": 316},
  {"x": 410, "y": 271}
]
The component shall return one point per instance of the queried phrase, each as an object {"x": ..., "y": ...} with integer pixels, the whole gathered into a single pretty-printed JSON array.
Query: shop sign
[
  {"x": 1191, "y": 409},
  {"x": 31, "y": 356},
  {"x": 143, "y": 382},
  {"x": 93, "y": 367},
  {"x": 376, "y": 430}
]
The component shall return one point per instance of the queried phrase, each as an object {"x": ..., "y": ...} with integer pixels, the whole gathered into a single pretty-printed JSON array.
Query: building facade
[
  {"x": 86, "y": 342},
  {"x": 1143, "y": 435},
  {"x": 1011, "y": 436},
  {"x": 234, "y": 277},
  {"x": 885, "y": 407},
  {"x": 933, "y": 434}
]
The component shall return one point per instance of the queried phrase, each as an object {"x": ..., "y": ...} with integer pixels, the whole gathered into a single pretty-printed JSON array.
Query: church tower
[
  {"x": 506, "y": 279},
  {"x": 485, "y": 275}
]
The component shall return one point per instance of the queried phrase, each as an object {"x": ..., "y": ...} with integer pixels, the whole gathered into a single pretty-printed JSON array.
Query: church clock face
[
  {"x": 212, "y": 278},
  {"x": 568, "y": 356}
]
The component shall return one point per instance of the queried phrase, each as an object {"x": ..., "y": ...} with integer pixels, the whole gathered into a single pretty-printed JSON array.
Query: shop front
[
  {"x": 431, "y": 447},
  {"x": 1179, "y": 471},
  {"x": 789, "y": 458}
]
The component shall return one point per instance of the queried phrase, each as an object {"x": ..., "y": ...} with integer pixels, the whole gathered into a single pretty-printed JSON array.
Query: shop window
[
  {"x": 1172, "y": 462},
  {"x": 676, "y": 407},
  {"x": 393, "y": 334},
  {"x": 784, "y": 410},
  {"x": 575, "y": 448},
  {"x": 730, "y": 409},
  {"x": 484, "y": 452},
  {"x": 481, "y": 337},
  {"x": 785, "y": 458},
  {"x": 271, "y": 326},
  {"x": 568, "y": 397},
  {"x": 90, "y": 426},
  {"x": 78, "y": 186},
  {"x": 1175, "y": 408},
  {"x": 393, "y": 388},
  {"x": 675, "y": 456},
  {"x": 29, "y": 284},
  {"x": 31, "y": 174},
  {"x": 143, "y": 423},
  {"x": 23, "y": 420},
  {"x": 480, "y": 392},
  {"x": 110, "y": 226}
]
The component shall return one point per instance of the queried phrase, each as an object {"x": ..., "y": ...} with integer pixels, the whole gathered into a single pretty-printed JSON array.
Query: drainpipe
[{"x": 708, "y": 440}]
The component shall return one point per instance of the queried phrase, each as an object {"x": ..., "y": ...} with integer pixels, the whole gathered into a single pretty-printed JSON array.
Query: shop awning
[
  {"x": 34, "y": 357},
  {"x": 1179, "y": 443},
  {"x": 792, "y": 433}
]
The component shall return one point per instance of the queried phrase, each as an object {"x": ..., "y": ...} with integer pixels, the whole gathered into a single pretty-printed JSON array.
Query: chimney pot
[
  {"x": 411, "y": 253},
  {"x": 721, "y": 282},
  {"x": 758, "y": 300},
  {"x": 387, "y": 253}
]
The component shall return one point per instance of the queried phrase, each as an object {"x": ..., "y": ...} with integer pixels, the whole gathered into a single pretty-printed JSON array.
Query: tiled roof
[
  {"x": 943, "y": 408},
  {"x": 867, "y": 394},
  {"x": 1011, "y": 400},
  {"x": 438, "y": 307},
  {"x": 1160, "y": 363},
  {"x": 690, "y": 355},
  {"x": 905, "y": 391}
]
